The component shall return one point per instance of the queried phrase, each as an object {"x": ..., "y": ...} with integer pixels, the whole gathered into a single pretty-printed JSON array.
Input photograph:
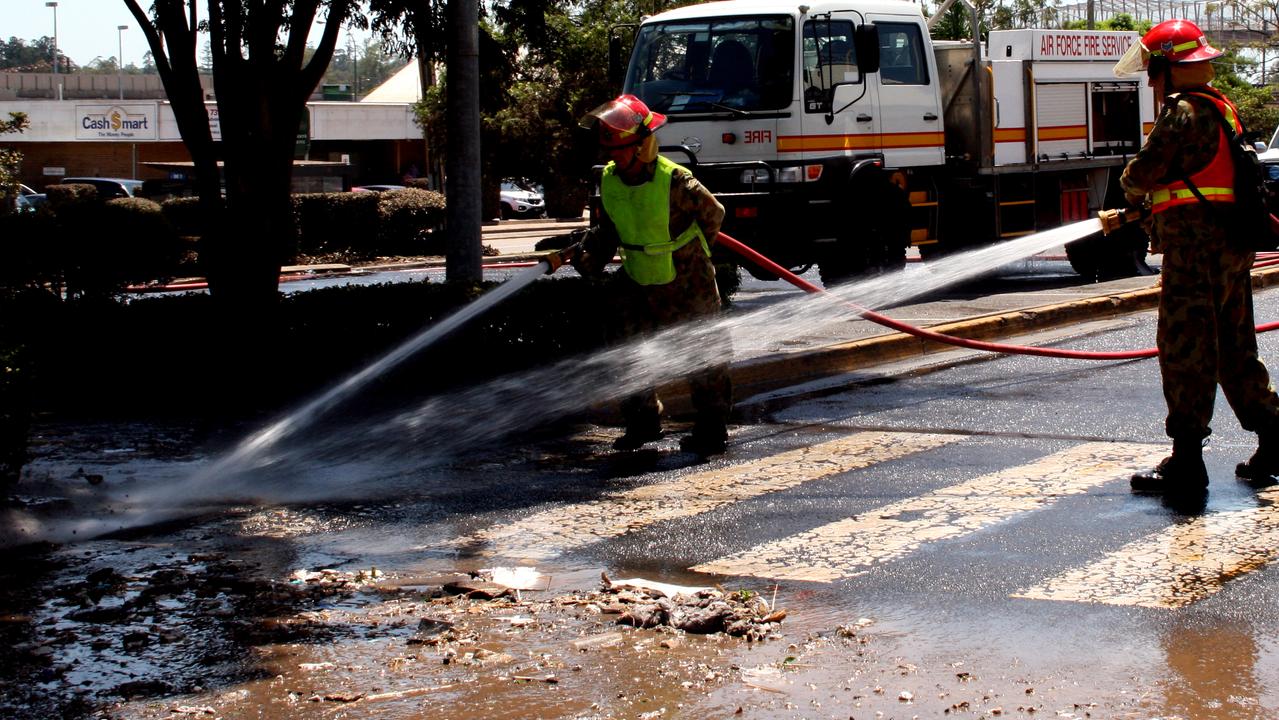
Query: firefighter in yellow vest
[
  {"x": 1206, "y": 332},
  {"x": 664, "y": 223}
]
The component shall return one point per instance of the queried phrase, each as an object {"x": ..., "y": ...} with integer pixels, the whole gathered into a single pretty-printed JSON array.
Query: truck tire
[
  {"x": 875, "y": 239},
  {"x": 1120, "y": 254}
]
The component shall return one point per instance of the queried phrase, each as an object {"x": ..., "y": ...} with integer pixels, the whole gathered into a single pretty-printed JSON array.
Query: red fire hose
[{"x": 875, "y": 317}]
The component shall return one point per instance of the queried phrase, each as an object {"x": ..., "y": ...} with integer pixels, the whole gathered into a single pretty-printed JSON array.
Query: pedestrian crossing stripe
[
  {"x": 549, "y": 533},
  {"x": 1183, "y": 563},
  {"x": 845, "y": 548}
]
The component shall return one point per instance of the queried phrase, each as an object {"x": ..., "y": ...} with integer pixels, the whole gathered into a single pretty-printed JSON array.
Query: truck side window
[
  {"x": 829, "y": 59},
  {"x": 901, "y": 58}
]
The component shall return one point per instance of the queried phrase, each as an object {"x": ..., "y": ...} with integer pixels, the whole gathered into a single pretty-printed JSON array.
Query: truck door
[
  {"x": 1061, "y": 123},
  {"x": 832, "y": 83},
  {"x": 909, "y": 100}
]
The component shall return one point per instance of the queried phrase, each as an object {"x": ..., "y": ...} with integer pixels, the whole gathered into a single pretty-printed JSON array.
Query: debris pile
[{"x": 700, "y": 610}]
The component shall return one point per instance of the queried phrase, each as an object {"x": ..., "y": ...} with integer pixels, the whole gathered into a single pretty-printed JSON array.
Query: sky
[{"x": 86, "y": 28}]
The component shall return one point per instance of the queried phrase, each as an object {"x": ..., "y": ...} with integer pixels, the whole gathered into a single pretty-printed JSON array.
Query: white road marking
[
  {"x": 1184, "y": 563},
  {"x": 549, "y": 533},
  {"x": 845, "y": 548}
]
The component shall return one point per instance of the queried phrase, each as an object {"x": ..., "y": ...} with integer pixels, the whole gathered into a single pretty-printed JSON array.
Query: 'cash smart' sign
[{"x": 117, "y": 122}]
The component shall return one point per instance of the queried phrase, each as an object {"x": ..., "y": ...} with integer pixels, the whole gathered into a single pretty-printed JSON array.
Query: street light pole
[
  {"x": 119, "y": 61},
  {"x": 54, "y": 5},
  {"x": 355, "y": 68}
]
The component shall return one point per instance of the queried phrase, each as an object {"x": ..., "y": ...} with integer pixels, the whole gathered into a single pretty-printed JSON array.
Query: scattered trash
[
  {"x": 528, "y": 678},
  {"x": 607, "y": 640},
  {"x": 477, "y": 589},
  {"x": 517, "y": 578},
  {"x": 309, "y": 667},
  {"x": 658, "y": 588}
]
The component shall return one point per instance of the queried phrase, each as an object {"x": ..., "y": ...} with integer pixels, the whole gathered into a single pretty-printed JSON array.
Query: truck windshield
[{"x": 738, "y": 64}]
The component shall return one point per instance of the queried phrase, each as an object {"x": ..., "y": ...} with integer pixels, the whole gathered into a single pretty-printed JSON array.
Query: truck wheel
[
  {"x": 1120, "y": 254},
  {"x": 874, "y": 242}
]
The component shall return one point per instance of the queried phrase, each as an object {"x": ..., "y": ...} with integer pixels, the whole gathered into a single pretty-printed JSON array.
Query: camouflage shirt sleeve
[
  {"x": 692, "y": 202},
  {"x": 1184, "y": 140}
]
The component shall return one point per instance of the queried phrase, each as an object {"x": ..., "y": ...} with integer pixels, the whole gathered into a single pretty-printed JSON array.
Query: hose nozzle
[
  {"x": 557, "y": 258},
  {"x": 1112, "y": 220}
]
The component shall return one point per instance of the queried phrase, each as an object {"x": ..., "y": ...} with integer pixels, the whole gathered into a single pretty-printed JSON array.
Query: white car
[
  {"x": 1270, "y": 156},
  {"x": 519, "y": 201}
]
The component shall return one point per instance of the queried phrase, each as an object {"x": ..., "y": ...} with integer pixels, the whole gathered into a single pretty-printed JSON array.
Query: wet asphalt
[{"x": 971, "y": 509}]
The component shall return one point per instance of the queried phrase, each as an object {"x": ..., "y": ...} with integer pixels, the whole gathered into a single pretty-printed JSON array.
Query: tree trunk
[{"x": 462, "y": 185}]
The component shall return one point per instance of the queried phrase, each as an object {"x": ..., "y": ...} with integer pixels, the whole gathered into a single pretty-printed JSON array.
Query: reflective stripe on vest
[
  {"x": 1216, "y": 182},
  {"x": 641, "y": 214}
]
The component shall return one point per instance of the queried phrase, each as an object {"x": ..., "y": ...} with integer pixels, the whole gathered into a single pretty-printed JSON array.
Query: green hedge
[
  {"x": 169, "y": 353},
  {"x": 368, "y": 224}
]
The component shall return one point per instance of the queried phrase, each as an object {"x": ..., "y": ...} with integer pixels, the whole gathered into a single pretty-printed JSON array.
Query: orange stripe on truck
[
  {"x": 1010, "y": 135},
  {"x": 1064, "y": 132},
  {"x": 803, "y": 143}
]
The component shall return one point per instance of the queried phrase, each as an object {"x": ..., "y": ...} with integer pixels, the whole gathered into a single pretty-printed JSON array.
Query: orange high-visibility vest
[{"x": 1216, "y": 182}]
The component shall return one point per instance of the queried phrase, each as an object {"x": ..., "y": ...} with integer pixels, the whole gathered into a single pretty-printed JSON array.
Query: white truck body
[{"x": 768, "y": 106}]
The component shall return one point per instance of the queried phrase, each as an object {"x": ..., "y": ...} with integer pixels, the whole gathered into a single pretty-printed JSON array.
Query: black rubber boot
[
  {"x": 707, "y": 439},
  {"x": 1182, "y": 471},
  {"x": 637, "y": 435},
  {"x": 1263, "y": 467}
]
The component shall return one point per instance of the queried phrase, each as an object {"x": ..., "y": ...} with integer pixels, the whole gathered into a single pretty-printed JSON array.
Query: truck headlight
[{"x": 759, "y": 175}]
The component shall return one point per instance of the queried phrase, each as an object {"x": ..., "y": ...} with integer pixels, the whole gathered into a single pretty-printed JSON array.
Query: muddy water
[{"x": 318, "y": 610}]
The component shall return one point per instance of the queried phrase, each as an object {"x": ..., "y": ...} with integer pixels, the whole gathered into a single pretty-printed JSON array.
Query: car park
[
  {"x": 521, "y": 201},
  {"x": 108, "y": 188}
]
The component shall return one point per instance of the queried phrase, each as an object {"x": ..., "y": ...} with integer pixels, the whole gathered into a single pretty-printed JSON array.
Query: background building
[{"x": 80, "y": 126}]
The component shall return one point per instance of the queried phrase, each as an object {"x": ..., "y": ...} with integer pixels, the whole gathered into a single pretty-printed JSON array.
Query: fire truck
[{"x": 840, "y": 133}]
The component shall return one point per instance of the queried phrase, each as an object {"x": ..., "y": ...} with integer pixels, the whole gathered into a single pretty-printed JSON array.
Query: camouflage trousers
[
  {"x": 646, "y": 309},
  {"x": 1206, "y": 333}
]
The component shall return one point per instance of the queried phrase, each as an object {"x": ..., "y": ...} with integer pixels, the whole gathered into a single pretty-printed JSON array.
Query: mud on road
[{"x": 238, "y": 613}]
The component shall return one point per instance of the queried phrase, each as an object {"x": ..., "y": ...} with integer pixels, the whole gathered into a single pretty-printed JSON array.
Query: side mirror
[
  {"x": 1260, "y": 147},
  {"x": 619, "y": 53},
  {"x": 866, "y": 40}
]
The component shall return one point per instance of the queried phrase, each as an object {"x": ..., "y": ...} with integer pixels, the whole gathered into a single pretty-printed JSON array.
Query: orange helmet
[
  {"x": 623, "y": 121},
  {"x": 1175, "y": 41}
]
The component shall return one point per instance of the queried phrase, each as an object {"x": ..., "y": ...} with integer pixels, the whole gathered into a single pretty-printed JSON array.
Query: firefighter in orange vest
[
  {"x": 1206, "y": 334},
  {"x": 664, "y": 222}
]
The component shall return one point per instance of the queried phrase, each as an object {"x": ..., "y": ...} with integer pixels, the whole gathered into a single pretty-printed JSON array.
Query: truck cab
[{"x": 838, "y": 133}]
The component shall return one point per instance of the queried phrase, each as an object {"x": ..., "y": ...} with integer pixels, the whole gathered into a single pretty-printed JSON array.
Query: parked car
[
  {"x": 22, "y": 201},
  {"x": 376, "y": 188},
  {"x": 521, "y": 201},
  {"x": 28, "y": 202},
  {"x": 108, "y": 188}
]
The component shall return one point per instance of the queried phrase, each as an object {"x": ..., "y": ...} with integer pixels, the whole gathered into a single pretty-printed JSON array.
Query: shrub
[
  {"x": 131, "y": 367},
  {"x": 28, "y": 253},
  {"x": 336, "y": 222},
  {"x": 184, "y": 215},
  {"x": 15, "y": 412},
  {"x": 109, "y": 245},
  {"x": 408, "y": 220}
]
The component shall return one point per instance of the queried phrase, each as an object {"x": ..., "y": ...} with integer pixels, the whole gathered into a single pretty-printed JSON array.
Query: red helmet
[
  {"x": 623, "y": 121},
  {"x": 1176, "y": 41},
  {"x": 1181, "y": 41}
]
